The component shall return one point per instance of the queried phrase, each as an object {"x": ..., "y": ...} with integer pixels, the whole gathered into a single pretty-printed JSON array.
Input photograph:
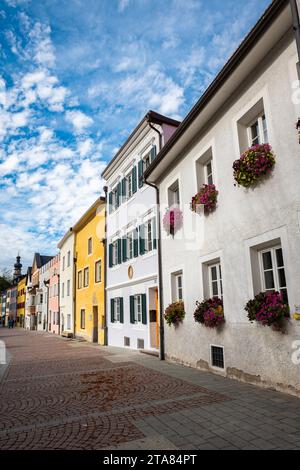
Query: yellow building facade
[
  {"x": 21, "y": 298},
  {"x": 90, "y": 274}
]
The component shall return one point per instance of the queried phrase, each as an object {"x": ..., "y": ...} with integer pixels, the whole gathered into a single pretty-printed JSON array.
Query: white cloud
[
  {"x": 123, "y": 4},
  {"x": 79, "y": 120}
]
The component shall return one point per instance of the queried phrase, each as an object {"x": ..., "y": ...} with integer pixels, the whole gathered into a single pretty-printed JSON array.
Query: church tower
[{"x": 17, "y": 269}]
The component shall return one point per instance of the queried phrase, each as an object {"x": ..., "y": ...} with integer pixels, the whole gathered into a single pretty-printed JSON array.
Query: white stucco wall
[
  {"x": 67, "y": 274},
  {"x": 243, "y": 218},
  {"x": 42, "y": 308}
]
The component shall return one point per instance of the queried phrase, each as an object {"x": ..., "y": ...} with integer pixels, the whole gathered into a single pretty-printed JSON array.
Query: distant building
[
  {"x": 67, "y": 281},
  {"x": 54, "y": 320}
]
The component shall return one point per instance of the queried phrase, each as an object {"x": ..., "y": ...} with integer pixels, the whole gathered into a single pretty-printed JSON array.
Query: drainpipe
[
  {"x": 104, "y": 241},
  {"x": 296, "y": 24},
  {"x": 46, "y": 283}
]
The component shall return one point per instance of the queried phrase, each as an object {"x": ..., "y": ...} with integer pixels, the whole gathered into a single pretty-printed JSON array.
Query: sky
[{"x": 76, "y": 76}]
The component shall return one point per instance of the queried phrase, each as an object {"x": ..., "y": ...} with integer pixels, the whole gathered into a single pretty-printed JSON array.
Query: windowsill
[
  {"x": 138, "y": 326},
  {"x": 117, "y": 326},
  {"x": 148, "y": 255}
]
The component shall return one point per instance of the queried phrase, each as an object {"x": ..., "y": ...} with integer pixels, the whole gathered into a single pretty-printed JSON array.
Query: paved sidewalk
[{"x": 64, "y": 394}]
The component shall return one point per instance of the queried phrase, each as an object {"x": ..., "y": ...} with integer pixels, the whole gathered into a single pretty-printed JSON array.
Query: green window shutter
[
  {"x": 141, "y": 173},
  {"x": 144, "y": 309},
  {"x": 134, "y": 182},
  {"x": 119, "y": 191},
  {"x": 142, "y": 239},
  {"x": 154, "y": 234},
  {"x": 112, "y": 310},
  {"x": 131, "y": 299},
  {"x": 121, "y": 310},
  {"x": 123, "y": 189},
  {"x": 110, "y": 197},
  {"x": 119, "y": 251},
  {"x": 153, "y": 153},
  {"x": 110, "y": 255},
  {"x": 135, "y": 243},
  {"x": 124, "y": 249}
]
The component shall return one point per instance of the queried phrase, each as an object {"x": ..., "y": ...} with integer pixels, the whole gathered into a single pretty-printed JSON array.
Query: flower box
[
  {"x": 268, "y": 309},
  {"x": 210, "y": 313},
  {"x": 205, "y": 200},
  {"x": 174, "y": 313},
  {"x": 172, "y": 220},
  {"x": 256, "y": 162}
]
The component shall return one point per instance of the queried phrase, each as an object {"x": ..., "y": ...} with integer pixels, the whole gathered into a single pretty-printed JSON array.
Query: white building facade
[
  {"x": 251, "y": 242},
  {"x": 67, "y": 294},
  {"x": 132, "y": 269},
  {"x": 42, "y": 300}
]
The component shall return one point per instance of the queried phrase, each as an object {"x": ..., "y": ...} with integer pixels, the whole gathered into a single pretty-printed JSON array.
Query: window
[
  {"x": 258, "y": 132},
  {"x": 204, "y": 169},
  {"x": 179, "y": 291},
  {"x": 208, "y": 172},
  {"x": 217, "y": 357},
  {"x": 146, "y": 161},
  {"x": 173, "y": 195},
  {"x": 86, "y": 277},
  {"x": 272, "y": 271},
  {"x": 149, "y": 235},
  {"x": 252, "y": 127},
  {"x": 63, "y": 263},
  {"x": 130, "y": 247},
  {"x": 69, "y": 258},
  {"x": 177, "y": 286},
  {"x": 98, "y": 271},
  {"x": 63, "y": 290},
  {"x": 114, "y": 198},
  {"x": 79, "y": 279},
  {"x": 90, "y": 247},
  {"x": 82, "y": 319},
  {"x": 129, "y": 189},
  {"x": 68, "y": 321},
  {"x": 138, "y": 309},
  {"x": 215, "y": 281},
  {"x": 117, "y": 310},
  {"x": 115, "y": 253},
  {"x": 68, "y": 288}
]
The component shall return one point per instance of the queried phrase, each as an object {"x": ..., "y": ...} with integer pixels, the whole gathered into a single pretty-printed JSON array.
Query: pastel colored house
[
  {"x": 32, "y": 296},
  {"x": 67, "y": 282},
  {"x": 21, "y": 298},
  {"x": 42, "y": 297},
  {"x": 54, "y": 323},
  {"x": 90, "y": 265},
  {"x": 250, "y": 243},
  {"x": 132, "y": 271}
]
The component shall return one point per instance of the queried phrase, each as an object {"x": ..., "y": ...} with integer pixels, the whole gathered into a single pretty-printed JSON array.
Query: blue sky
[{"x": 76, "y": 76}]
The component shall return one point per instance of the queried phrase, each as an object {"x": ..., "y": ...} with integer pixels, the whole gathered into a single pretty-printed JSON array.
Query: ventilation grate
[
  {"x": 140, "y": 344},
  {"x": 126, "y": 341},
  {"x": 217, "y": 356}
]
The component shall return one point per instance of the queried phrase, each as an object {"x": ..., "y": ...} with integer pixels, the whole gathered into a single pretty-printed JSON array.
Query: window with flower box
[
  {"x": 252, "y": 127},
  {"x": 204, "y": 169},
  {"x": 174, "y": 195}
]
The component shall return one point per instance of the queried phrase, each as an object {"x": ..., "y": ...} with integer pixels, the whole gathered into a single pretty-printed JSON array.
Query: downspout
[
  {"x": 104, "y": 241},
  {"x": 160, "y": 276},
  {"x": 296, "y": 24}
]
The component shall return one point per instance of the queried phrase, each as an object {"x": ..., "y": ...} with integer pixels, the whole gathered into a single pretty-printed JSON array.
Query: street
[{"x": 66, "y": 394}]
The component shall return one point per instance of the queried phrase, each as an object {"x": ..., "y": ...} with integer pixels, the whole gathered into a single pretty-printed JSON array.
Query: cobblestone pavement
[{"x": 63, "y": 394}]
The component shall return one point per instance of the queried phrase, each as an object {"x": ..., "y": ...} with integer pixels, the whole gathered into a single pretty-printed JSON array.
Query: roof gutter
[{"x": 296, "y": 24}]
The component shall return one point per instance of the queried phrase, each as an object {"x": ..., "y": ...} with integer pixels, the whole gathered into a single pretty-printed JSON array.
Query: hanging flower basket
[
  {"x": 256, "y": 162},
  {"x": 298, "y": 128},
  {"x": 172, "y": 220},
  {"x": 269, "y": 309},
  {"x": 210, "y": 313},
  {"x": 207, "y": 197},
  {"x": 175, "y": 313}
]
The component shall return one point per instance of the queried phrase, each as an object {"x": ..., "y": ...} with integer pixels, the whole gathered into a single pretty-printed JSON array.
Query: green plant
[{"x": 174, "y": 313}]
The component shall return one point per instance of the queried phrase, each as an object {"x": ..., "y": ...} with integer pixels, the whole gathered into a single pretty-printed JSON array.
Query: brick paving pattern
[{"x": 62, "y": 394}]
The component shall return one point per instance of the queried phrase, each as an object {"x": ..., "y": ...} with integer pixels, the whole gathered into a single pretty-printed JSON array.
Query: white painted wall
[
  {"x": 42, "y": 308},
  {"x": 67, "y": 274},
  {"x": 243, "y": 218}
]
